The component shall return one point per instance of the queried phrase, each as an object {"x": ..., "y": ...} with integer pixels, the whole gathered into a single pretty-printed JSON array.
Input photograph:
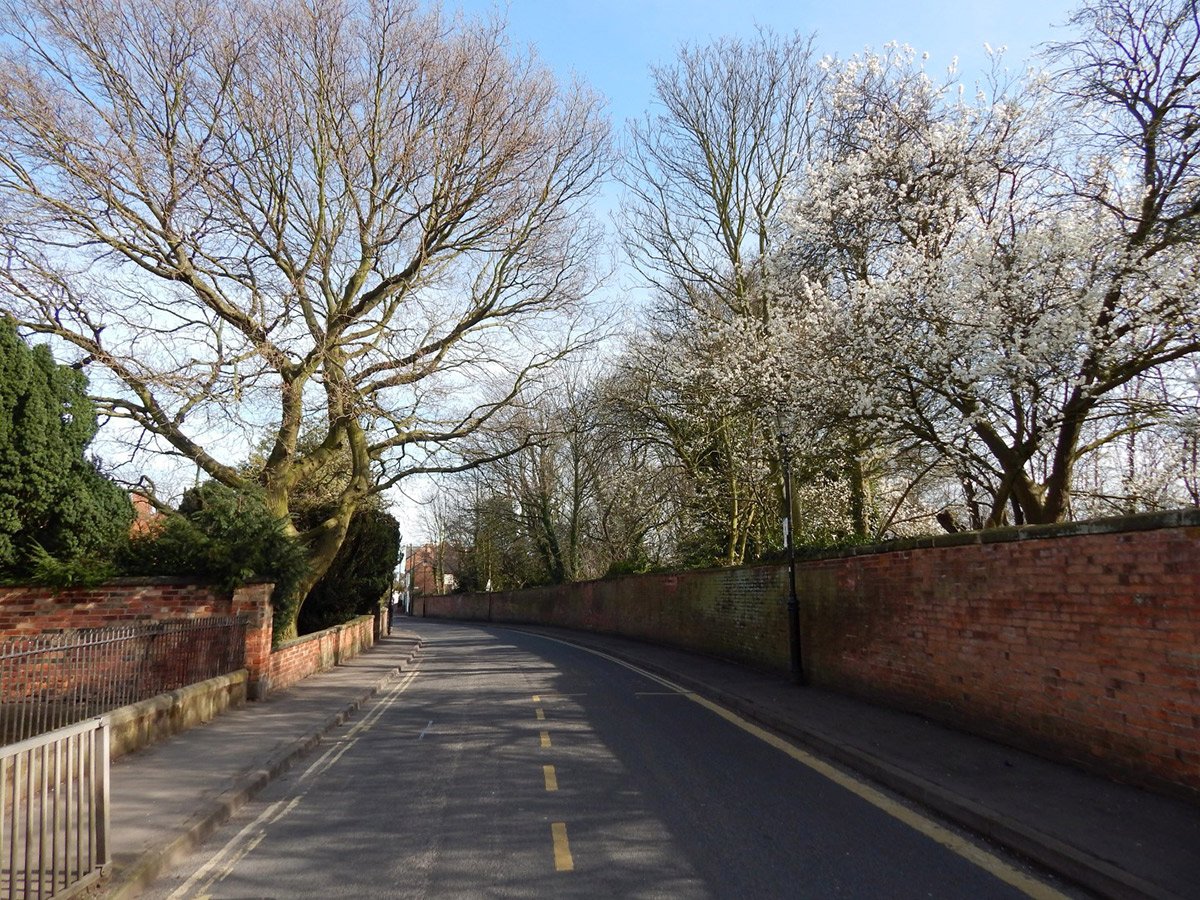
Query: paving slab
[{"x": 167, "y": 798}]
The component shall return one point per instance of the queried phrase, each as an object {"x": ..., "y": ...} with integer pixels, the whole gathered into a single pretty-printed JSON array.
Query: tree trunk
[
  {"x": 323, "y": 546},
  {"x": 1058, "y": 485},
  {"x": 858, "y": 496}
]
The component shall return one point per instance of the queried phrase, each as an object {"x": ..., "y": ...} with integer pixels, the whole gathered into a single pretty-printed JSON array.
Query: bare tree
[
  {"x": 328, "y": 216},
  {"x": 706, "y": 178},
  {"x": 582, "y": 497},
  {"x": 707, "y": 171}
]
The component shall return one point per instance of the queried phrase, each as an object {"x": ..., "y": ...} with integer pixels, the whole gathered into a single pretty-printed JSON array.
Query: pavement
[
  {"x": 1112, "y": 839},
  {"x": 168, "y": 798}
]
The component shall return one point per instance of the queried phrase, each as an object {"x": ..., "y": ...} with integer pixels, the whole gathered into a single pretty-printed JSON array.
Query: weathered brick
[{"x": 1076, "y": 644}]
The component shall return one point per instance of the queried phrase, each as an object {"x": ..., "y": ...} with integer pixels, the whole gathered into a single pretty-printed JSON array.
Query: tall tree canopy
[
  {"x": 50, "y": 494},
  {"x": 997, "y": 275},
  {"x": 707, "y": 176},
  {"x": 330, "y": 216}
]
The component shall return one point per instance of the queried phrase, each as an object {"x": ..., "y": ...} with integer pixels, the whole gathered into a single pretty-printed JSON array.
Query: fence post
[
  {"x": 253, "y": 601},
  {"x": 103, "y": 799}
]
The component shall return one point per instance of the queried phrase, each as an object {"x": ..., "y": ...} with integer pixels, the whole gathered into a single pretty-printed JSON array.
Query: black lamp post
[{"x": 793, "y": 604}]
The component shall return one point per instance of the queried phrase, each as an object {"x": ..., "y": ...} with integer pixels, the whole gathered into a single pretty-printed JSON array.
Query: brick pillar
[{"x": 254, "y": 602}]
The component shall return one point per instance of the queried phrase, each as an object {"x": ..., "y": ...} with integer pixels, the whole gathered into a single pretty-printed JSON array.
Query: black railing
[{"x": 50, "y": 680}]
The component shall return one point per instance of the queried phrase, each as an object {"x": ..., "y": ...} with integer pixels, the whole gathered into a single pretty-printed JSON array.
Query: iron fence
[
  {"x": 48, "y": 681},
  {"x": 54, "y": 812}
]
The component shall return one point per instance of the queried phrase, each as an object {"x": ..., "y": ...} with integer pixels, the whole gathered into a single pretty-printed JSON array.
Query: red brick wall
[
  {"x": 31, "y": 610},
  {"x": 1085, "y": 647},
  {"x": 296, "y": 660},
  {"x": 26, "y": 611},
  {"x": 1081, "y": 642},
  {"x": 730, "y": 613}
]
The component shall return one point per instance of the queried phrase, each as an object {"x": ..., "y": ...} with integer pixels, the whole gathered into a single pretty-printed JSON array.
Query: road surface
[{"x": 509, "y": 764}]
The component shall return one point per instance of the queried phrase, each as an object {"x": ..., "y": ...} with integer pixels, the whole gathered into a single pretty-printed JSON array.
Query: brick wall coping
[
  {"x": 1175, "y": 518},
  {"x": 135, "y": 581}
]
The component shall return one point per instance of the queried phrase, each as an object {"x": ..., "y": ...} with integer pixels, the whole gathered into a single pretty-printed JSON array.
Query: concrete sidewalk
[
  {"x": 168, "y": 798},
  {"x": 1113, "y": 839}
]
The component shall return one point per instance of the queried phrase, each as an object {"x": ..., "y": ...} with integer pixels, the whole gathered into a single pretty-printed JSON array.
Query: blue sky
[{"x": 611, "y": 43}]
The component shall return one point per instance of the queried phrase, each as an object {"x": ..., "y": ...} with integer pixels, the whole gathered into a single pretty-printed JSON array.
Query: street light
[{"x": 793, "y": 604}]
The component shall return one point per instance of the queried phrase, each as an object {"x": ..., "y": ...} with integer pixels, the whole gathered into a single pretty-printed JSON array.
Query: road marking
[
  {"x": 545, "y": 740},
  {"x": 266, "y": 817},
  {"x": 541, "y": 715},
  {"x": 537, "y": 699},
  {"x": 551, "y": 778},
  {"x": 334, "y": 753},
  {"x": 989, "y": 862},
  {"x": 687, "y": 694},
  {"x": 241, "y": 854},
  {"x": 425, "y": 730},
  {"x": 563, "y": 862},
  {"x": 273, "y": 813},
  {"x": 948, "y": 839}
]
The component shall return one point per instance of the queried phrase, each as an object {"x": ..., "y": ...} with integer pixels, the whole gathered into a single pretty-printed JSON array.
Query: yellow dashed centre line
[
  {"x": 562, "y": 848},
  {"x": 1029, "y": 885},
  {"x": 563, "y": 861}
]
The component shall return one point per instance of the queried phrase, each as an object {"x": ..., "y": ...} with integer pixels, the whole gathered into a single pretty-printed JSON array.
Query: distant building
[
  {"x": 432, "y": 568},
  {"x": 145, "y": 517}
]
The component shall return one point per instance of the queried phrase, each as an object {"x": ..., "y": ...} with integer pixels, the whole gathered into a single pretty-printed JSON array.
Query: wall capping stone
[
  {"x": 1175, "y": 518},
  {"x": 139, "y": 725}
]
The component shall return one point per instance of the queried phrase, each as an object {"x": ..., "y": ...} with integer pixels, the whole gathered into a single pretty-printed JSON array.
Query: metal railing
[
  {"x": 54, "y": 812},
  {"x": 51, "y": 680}
]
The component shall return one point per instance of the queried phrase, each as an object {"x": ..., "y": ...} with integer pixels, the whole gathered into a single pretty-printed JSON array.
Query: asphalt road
[{"x": 512, "y": 765}]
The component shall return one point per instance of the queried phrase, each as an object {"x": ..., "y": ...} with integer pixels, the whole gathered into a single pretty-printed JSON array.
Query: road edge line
[
  {"x": 1060, "y": 859},
  {"x": 130, "y": 880}
]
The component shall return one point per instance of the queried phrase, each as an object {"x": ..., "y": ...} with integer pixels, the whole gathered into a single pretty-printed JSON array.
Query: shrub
[
  {"x": 55, "y": 507},
  {"x": 360, "y": 575},
  {"x": 81, "y": 571},
  {"x": 225, "y": 536}
]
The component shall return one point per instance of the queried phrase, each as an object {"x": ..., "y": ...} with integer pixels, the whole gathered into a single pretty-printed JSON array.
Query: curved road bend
[{"x": 512, "y": 765}]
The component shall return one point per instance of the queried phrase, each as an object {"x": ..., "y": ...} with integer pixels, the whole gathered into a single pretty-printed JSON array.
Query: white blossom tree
[
  {"x": 989, "y": 295},
  {"x": 674, "y": 395}
]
